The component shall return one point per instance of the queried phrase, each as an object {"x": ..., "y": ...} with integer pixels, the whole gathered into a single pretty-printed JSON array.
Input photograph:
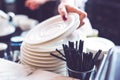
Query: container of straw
[
  {"x": 86, "y": 75},
  {"x": 80, "y": 65}
]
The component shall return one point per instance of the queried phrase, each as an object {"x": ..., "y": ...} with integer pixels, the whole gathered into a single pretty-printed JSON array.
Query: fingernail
[{"x": 64, "y": 18}]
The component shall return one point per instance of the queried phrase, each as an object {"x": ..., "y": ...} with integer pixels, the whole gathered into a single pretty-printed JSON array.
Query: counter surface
[{"x": 13, "y": 71}]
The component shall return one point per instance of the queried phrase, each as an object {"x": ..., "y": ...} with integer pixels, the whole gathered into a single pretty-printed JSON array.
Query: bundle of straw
[{"x": 75, "y": 58}]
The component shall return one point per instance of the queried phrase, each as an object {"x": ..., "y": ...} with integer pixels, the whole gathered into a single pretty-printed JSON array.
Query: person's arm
[
  {"x": 34, "y": 4},
  {"x": 67, "y": 6}
]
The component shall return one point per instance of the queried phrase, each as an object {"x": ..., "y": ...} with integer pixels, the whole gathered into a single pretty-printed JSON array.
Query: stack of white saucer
[{"x": 46, "y": 37}]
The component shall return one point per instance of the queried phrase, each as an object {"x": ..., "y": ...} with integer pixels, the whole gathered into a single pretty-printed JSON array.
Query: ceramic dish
[
  {"x": 44, "y": 60},
  {"x": 18, "y": 18},
  {"x": 93, "y": 44},
  {"x": 58, "y": 44},
  {"x": 38, "y": 54},
  {"x": 3, "y": 46},
  {"x": 7, "y": 30},
  {"x": 52, "y": 28},
  {"x": 33, "y": 53},
  {"x": 38, "y": 57},
  {"x": 43, "y": 68},
  {"x": 53, "y": 46},
  {"x": 43, "y": 65},
  {"x": 96, "y": 43}
]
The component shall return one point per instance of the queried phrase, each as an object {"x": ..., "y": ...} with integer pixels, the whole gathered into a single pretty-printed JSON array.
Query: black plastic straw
[
  {"x": 60, "y": 52},
  {"x": 76, "y": 45},
  {"x": 81, "y": 46},
  {"x": 75, "y": 58},
  {"x": 97, "y": 55},
  {"x": 57, "y": 57}
]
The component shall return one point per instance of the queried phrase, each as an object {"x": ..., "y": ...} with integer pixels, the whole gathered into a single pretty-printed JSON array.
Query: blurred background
[
  {"x": 103, "y": 15},
  {"x": 102, "y": 24},
  {"x": 16, "y": 20},
  {"x": 18, "y": 7}
]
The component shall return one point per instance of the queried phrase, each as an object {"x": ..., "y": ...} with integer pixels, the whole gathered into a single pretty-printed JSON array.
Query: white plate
[
  {"x": 7, "y": 30},
  {"x": 42, "y": 67},
  {"x": 50, "y": 59},
  {"x": 3, "y": 46},
  {"x": 96, "y": 43},
  {"x": 52, "y": 28},
  {"x": 48, "y": 66},
  {"x": 58, "y": 45},
  {"x": 46, "y": 62},
  {"x": 53, "y": 46},
  {"x": 35, "y": 53},
  {"x": 37, "y": 57},
  {"x": 32, "y": 51},
  {"x": 42, "y": 62}
]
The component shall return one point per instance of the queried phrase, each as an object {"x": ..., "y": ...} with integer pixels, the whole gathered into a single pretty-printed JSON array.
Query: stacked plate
[
  {"x": 46, "y": 37},
  {"x": 93, "y": 44},
  {"x": 5, "y": 28}
]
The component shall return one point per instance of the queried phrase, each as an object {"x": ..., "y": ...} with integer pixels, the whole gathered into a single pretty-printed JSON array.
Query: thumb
[{"x": 62, "y": 11}]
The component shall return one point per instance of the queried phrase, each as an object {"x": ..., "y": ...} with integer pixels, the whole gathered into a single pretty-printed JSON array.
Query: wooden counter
[{"x": 14, "y": 71}]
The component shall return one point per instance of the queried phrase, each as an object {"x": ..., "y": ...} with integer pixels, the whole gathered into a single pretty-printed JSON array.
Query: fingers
[
  {"x": 82, "y": 16},
  {"x": 31, "y": 4},
  {"x": 64, "y": 9},
  {"x": 63, "y": 12},
  {"x": 81, "y": 13}
]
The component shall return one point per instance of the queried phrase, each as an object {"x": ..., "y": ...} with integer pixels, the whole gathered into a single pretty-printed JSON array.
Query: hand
[
  {"x": 34, "y": 4},
  {"x": 64, "y": 9}
]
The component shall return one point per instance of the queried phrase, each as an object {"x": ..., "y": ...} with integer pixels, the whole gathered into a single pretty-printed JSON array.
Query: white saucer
[
  {"x": 33, "y": 53},
  {"x": 52, "y": 46},
  {"x": 43, "y": 67},
  {"x": 7, "y": 30},
  {"x": 3, "y": 46},
  {"x": 96, "y": 43},
  {"x": 52, "y": 29},
  {"x": 37, "y": 57},
  {"x": 50, "y": 59}
]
